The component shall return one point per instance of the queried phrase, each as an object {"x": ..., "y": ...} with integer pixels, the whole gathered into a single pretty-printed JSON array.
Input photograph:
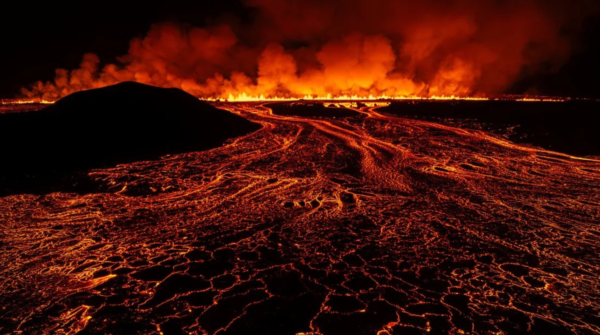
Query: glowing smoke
[{"x": 351, "y": 47}]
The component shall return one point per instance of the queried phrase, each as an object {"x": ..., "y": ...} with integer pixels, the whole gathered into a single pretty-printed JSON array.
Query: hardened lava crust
[{"x": 358, "y": 222}]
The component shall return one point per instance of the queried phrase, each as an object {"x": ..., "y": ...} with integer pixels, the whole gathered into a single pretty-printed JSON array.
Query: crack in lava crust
[{"x": 361, "y": 225}]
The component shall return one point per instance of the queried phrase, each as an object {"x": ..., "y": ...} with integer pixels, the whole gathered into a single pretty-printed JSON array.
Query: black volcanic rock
[
  {"x": 310, "y": 109},
  {"x": 570, "y": 126},
  {"x": 117, "y": 124}
]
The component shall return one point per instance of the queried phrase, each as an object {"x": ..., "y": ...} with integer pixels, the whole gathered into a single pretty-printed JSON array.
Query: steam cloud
[{"x": 350, "y": 47}]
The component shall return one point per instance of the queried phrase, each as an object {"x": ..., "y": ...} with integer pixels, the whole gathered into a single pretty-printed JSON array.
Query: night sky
[{"x": 38, "y": 38}]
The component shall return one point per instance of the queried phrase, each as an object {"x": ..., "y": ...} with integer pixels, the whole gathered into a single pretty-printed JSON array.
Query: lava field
[{"x": 354, "y": 222}]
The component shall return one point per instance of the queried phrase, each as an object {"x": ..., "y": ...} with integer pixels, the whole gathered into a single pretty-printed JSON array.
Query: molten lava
[
  {"x": 357, "y": 223},
  {"x": 243, "y": 97},
  {"x": 341, "y": 215}
]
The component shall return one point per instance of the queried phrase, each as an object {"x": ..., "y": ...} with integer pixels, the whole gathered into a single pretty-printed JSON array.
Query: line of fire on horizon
[{"x": 249, "y": 98}]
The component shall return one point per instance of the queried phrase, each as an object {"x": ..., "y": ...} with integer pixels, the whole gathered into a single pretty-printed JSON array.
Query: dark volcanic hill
[{"x": 103, "y": 127}]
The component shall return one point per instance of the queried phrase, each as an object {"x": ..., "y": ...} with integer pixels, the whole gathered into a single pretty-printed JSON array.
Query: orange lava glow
[
  {"x": 367, "y": 224},
  {"x": 25, "y": 101},
  {"x": 347, "y": 50},
  {"x": 246, "y": 98},
  {"x": 243, "y": 97}
]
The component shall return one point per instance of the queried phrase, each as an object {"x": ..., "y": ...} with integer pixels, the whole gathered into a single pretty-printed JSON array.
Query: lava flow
[{"x": 353, "y": 222}]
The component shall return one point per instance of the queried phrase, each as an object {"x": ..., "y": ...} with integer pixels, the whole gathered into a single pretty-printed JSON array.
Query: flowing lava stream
[{"x": 361, "y": 224}]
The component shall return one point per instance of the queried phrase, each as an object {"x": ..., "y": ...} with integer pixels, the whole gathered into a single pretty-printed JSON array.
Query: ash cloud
[{"x": 352, "y": 47}]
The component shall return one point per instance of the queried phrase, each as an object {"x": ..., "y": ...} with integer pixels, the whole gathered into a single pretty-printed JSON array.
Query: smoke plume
[{"x": 345, "y": 48}]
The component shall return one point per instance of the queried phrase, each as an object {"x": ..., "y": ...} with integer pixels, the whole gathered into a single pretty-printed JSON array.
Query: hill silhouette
[{"x": 103, "y": 127}]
